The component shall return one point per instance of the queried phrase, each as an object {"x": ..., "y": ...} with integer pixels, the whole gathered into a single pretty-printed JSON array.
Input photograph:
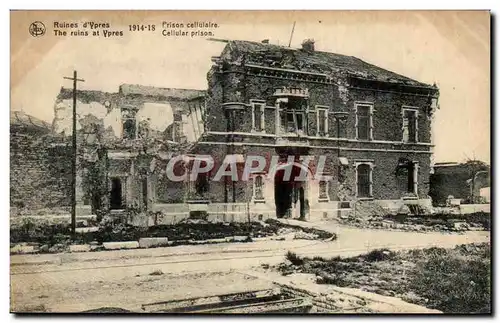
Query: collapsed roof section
[{"x": 307, "y": 59}]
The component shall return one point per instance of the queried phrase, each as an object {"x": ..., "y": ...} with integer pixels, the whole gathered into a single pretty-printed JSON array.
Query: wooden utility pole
[
  {"x": 73, "y": 157},
  {"x": 291, "y": 35}
]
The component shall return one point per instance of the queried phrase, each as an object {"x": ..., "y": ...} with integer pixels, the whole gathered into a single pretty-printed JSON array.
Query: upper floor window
[
  {"x": 341, "y": 124},
  {"x": 258, "y": 108},
  {"x": 364, "y": 121},
  {"x": 143, "y": 129},
  {"x": 177, "y": 128},
  {"x": 292, "y": 115},
  {"x": 129, "y": 124},
  {"x": 322, "y": 120},
  {"x": 364, "y": 180},
  {"x": 410, "y": 125}
]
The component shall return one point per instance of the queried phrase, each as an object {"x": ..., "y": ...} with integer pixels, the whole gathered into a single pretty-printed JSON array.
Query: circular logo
[{"x": 37, "y": 29}]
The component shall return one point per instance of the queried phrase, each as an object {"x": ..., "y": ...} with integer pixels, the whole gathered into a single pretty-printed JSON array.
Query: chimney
[
  {"x": 308, "y": 45},
  {"x": 265, "y": 41}
]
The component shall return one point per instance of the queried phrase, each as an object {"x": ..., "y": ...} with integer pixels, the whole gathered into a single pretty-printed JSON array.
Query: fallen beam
[
  {"x": 211, "y": 302},
  {"x": 278, "y": 306}
]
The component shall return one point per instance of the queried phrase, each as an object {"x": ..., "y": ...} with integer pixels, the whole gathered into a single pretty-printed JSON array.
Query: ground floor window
[
  {"x": 364, "y": 180},
  {"x": 323, "y": 191},
  {"x": 202, "y": 184},
  {"x": 258, "y": 188},
  {"x": 412, "y": 178},
  {"x": 407, "y": 172}
]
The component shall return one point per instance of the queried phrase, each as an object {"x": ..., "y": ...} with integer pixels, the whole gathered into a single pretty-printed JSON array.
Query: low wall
[
  {"x": 473, "y": 208},
  {"x": 392, "y": 206},
  {"x": 327, "y": 211},
  {"x": 168, "y": 214}
]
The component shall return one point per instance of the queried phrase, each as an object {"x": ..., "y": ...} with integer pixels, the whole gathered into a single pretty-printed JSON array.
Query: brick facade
[
  {"x": 268, "y": 101},
  {"x": 40, "y": 172},
  {"x": 237, "y": 81}
]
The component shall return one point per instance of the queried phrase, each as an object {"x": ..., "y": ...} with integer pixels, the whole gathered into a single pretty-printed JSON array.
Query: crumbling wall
[{"x": 40, "y": 174}]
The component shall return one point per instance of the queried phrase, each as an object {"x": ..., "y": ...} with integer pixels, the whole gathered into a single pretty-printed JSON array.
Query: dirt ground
[
  {"x": 403, "y": 274},
  {"x": 130, "y": 292},
  {"x": 72, "y": 282}
]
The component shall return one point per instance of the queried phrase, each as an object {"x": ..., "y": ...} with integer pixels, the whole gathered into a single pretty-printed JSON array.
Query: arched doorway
[{"x": 291, "y": 191}]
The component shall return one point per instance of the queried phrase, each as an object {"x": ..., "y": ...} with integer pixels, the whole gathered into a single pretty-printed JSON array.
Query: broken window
[
  {"x": 129, "y": 124},
  {"x": 364, "y": 180},
  {"x": 364, "y": 122},
  {"x": 323, "y": 191},
  {"x": 258, "y": 116},
  {"x": 322, "y": 120},
  {"x": 143, "y": 129},
  {"x": 290, "y": 122},
  {"x": 129, "y": 129},
  {"x": 410, "y": 125},
  {"x": 292, "y": 112},
  {"x": 258, "y": 188},
  {"x": 177, "y": 128}
]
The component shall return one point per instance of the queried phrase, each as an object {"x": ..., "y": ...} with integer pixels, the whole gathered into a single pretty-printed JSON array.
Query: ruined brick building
[
  {"x": 372, "y": 125},
  {"x": 121, "y": 136},
  {"x": 462, "y": 181}
]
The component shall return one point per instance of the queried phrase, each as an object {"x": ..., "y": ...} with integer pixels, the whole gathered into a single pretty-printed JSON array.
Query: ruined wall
[
  {"x": 157, "y": 111},
  {"x": 452, "y": 181},
  {"x": 159, "y": 115},
  {"x": 40, "y": 174},
  {"x": 215, "y": 116}
]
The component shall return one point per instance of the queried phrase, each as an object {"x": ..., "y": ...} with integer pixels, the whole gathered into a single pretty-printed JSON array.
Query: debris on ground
[
  {"x": 56, "y": 239},
  {"x": 305, "y": 236},
  {"x": 418, "y": 276},
  {"x": 369, "y": 215}
]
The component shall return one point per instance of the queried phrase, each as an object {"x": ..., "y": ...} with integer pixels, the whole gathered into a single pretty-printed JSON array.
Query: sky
[{"x": 451, "y": 49}]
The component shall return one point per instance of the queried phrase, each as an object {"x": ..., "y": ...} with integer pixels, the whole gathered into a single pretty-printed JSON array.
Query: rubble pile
[
  {"x": 287, "y": 231},
  {"x": 363, "y": 212},
  {"x": 293, "y": 233},
  {"x": 369, "y": 215}
]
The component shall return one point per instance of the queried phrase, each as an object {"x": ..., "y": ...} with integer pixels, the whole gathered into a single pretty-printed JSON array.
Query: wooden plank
[
  {"x": 264, "y": 307},
  {"x": 212, "y": 301}
]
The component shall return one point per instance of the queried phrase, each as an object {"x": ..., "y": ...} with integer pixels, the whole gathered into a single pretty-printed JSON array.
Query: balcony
[
  {"x": 232, "y": 106},
  {"x": 291, "y": 92},
  {"x": 292, "y": 141}
]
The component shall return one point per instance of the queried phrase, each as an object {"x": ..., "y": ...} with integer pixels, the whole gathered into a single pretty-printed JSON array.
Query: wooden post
[{"x": 74, "y": 157}]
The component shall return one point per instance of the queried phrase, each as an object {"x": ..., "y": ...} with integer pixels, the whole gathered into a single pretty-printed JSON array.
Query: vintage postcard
[{"x": 250, "y": 162}]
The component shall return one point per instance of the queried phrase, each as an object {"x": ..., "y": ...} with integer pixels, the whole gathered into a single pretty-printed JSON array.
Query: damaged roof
[
  {"x": 315, "y": 61},
  {"x": 132, "y": 89},
  {"x": 19, "y": 118},
  {"x": 180, "y": 94}
]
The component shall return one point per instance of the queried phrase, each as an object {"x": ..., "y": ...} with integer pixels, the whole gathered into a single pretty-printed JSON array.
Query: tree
[{"x": 474, "y": 168}]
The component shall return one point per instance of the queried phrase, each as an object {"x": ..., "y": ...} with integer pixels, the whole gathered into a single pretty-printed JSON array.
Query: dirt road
[{"x": 74, "y": 282}]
